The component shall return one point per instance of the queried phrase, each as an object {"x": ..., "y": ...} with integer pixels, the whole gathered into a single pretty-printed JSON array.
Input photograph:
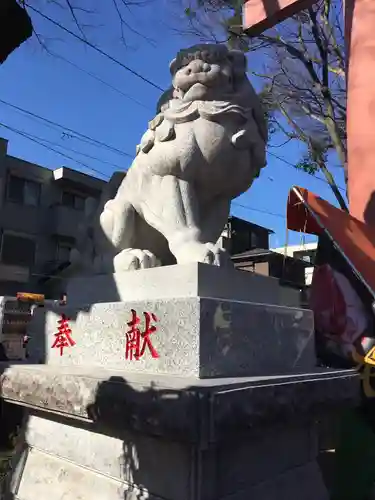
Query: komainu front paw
[
  {"x": 131, "y": 259},
  {"x": 207, "y": 253}
]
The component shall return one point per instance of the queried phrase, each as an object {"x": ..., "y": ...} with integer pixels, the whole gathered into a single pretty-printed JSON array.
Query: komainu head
[
  {"x": 210, "y": 72},
  {"x": 207, "y": 72}
]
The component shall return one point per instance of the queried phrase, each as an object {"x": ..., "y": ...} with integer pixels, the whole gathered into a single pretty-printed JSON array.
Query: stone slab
[
  {"x": 164, "y": 468},
  {"x": 92, "y": 433},
  {"x": 50, "y": 477},
  {"x": 243, "y": 463},
  {"x": 162, "y": 465},
  {"x": 182, "y": 409},
  {"x": 189, "y": 280},
  {"x": 62, "y": 453},
  {"x": 46, "y": 477},
  {"x": 194, "y": 337},
  {"x": 265, "y": 462}
]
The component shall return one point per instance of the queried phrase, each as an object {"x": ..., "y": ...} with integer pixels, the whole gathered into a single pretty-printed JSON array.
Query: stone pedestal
[
  {"x": 226, "y": 411},
  {"x": 188, "y": 280},
  {"x": 102, "y": 434},
  {"x": 207, "y": 322}
]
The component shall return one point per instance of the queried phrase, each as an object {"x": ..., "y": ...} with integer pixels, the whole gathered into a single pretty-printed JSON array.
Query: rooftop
[{"x": 233, "y": 217}]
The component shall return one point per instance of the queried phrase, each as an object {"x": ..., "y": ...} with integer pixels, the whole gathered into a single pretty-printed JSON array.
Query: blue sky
[{"x": 50, "y": 87}]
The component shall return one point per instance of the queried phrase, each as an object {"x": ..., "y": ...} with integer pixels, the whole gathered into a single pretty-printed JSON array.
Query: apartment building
[{"x": 40, "y": 212}]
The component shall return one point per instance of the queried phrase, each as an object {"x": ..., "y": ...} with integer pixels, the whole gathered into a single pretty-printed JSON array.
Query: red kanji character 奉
[
  {"x": 134, "y": 337},
  {"x": 63, "y": 336}
]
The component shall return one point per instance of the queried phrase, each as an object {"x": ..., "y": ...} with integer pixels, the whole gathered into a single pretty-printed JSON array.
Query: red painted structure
[
  {"x": 260, "y": 15},
  {"x": 308, "y": 213}
]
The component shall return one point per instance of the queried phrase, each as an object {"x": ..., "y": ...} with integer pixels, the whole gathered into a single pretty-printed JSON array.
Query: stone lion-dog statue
[{"x": 205, "y": 147}]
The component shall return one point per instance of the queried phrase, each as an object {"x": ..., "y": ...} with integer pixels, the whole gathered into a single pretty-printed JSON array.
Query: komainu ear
[{"x": 173, "y": 66}]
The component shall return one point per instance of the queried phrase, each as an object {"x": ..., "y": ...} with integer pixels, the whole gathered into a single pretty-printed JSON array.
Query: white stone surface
[
  {"x": 195, "y": 337},
  {"x": 135, "y": 459},
  {"x": 188, "y": 280},
  {"x": 69, "y": 462},
  {"x": 204, "y": 148},
  {"x": 66, "y": 461},
  {"x": 48, "y": 477}
]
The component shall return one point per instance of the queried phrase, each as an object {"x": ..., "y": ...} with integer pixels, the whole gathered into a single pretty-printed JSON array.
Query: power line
[
  {"x": 35, "y": 115},
  {"x": 30, "y": 138},
  {"x": 138, "y": 75},
  {"x": 92, "y": 46},
  {"x": 75, "y": 151},
  {"x": 83, "y": 137},
  {"x": 290, "y": 164},
  {"x": 247, "y": 207},
  {"x": 96, "y": 77},
  {"x": 38, "y": 140}
]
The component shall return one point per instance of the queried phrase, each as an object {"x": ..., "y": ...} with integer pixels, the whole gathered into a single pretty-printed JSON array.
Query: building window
[
  {"x": 63, "y": 251},
  {"x": 73, "y": 200},
  {"x": 23, "y": 191},
  {"x": 305, "y": 255},
  {"x": 17, "y": 250},
  {"x": 254, "y": 240}
]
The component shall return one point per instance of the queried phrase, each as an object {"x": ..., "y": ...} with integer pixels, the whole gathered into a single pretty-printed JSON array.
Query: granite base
[
  {"x": 194, "y": 337},
  {"x": 98, "y": 435},
  {"x": 79, "y": 463},
  {"x": 181, "y": 281}
]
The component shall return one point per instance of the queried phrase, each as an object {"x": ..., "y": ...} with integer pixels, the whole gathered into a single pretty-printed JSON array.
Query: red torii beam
[{"x": 260, "y": 15}]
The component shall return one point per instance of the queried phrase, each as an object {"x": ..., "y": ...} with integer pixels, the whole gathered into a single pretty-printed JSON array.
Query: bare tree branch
[
  {"x": 80, "y": 12},
  {"x": 72, "y": 11}
]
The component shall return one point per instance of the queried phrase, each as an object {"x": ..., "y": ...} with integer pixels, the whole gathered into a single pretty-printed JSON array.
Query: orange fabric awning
[{"x": 311, "y": 214}]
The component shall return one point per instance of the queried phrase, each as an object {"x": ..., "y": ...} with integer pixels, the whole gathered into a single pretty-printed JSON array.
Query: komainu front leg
[
  {"x": 117, "y": 236},
  {"x": 213, "y": 221},
  {"x": 179, "y": 219}
]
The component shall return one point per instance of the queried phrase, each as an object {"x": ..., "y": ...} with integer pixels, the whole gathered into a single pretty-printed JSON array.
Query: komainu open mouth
[{"x": 196, "y": 91}]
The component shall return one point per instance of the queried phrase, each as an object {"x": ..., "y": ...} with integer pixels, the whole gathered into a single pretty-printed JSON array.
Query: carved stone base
[
  {"x": 79, "y": 463},
  {"x": 96, "y": 434},
  {"x": 194, "y": 337}
]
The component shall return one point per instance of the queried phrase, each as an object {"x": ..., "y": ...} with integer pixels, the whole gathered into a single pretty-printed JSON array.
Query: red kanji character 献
[
  {"x": 134, "y": 337},
  {"x": 63, "y": 336}
]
